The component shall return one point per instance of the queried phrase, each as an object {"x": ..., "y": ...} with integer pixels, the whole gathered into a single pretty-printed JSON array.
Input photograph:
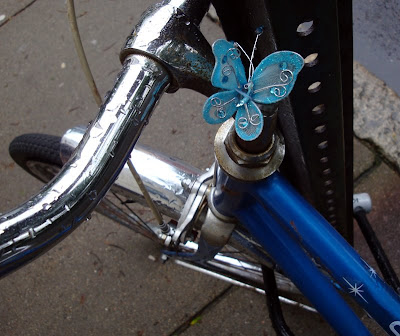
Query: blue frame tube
[
  {"x": 287, "y": 253},
  {"x": 281, "y": 209}
]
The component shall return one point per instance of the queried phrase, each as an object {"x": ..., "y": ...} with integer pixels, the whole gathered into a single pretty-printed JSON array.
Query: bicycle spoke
[{"x": 130, "y": 220}]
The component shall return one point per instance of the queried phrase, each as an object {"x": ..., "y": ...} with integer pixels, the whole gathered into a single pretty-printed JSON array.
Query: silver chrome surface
[
  {"x": 169, "y": 33},
  {"x": 69, "y": 198},
  {"x": 246, "y": 171},
  {"x": 70, "y": 141},
  {"x": 41, "y": 170},
  {"x": 193, "y": 206},
  {"x": 215, "y": 231},
  {"x": 167, "y": 179},
  {"x": 163, "y": 177}
]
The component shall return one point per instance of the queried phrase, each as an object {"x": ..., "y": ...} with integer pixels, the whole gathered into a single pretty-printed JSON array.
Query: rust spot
[
  {"x": 8, "y": 165},
  {"x": 293, "y": 225},
  {"x": 83, "y": 299},
  {"x": 229, "y": 191}
]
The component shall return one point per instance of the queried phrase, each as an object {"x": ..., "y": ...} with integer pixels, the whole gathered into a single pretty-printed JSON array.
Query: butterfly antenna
[
  {"x": 259, "y": 31},
  {"x": 247, "y": 56}
]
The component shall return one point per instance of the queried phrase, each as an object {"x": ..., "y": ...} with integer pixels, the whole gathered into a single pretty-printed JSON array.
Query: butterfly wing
[
  {"x": 249, "y": 121},
  {"x": 220, "y": 106},
  {"x": 274, "y": 77},
  {"x": 229, "y": 73}
]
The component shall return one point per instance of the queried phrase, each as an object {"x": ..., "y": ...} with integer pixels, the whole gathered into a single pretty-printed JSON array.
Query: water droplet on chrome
[
  {"x": 97, "y": 130},
  {"x": 32, "y": 233},
  {"x": 46, "y": 206}
]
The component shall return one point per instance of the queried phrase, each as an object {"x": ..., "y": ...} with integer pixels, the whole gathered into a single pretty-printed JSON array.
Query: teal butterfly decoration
[{"x": 271, "y": 81}]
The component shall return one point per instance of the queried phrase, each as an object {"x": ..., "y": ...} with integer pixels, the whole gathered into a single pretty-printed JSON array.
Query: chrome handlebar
[
  {"x": 67, "y": 200},
  {"x": 165, "y": 51},
  {"x": 168, "y": 180}
]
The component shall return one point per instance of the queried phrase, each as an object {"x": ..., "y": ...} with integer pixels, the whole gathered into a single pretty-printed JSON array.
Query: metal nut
[{"x": 243, "y": 166}]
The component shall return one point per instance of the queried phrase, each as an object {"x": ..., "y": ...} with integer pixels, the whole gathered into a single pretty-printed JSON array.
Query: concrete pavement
[
  {"x": 100, "y": 280},
  {"x": 377, "y": 38}
]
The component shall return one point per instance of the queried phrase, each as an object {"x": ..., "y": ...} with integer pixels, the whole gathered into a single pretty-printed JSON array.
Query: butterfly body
[
  {"x": 271, "y": 81},
  {"x": 246, "y": 95}
]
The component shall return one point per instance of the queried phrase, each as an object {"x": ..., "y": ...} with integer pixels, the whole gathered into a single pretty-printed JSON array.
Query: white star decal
[
  {"x": 356, "y": 289},
  {"x": 370, "y": 270}
]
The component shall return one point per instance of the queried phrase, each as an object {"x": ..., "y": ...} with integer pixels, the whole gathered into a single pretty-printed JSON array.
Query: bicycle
[{"x": 92, "y": 195}]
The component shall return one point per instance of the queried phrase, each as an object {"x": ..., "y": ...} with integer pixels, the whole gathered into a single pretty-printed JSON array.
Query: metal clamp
[
  {"x": 169, "y": 33},
  {"x": 192, "y": 207}
]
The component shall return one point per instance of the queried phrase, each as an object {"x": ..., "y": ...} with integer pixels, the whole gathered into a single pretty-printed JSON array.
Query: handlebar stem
[{"x": 169, "y": 33}]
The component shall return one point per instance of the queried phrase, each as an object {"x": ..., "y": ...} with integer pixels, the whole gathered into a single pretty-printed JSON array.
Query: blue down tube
[
  {"x": 286, "y": 225},
  {"x": 302, "y": 271}
]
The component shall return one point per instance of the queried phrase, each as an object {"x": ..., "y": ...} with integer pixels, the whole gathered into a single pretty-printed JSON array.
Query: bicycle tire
[
  {"x": 39, "y": 155},
  {"x": 35, "y": 151}
]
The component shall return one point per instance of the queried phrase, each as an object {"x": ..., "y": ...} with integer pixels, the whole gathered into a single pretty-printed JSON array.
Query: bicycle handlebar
[
  {"x": 68, "y": 199},
  {"x": 165, "y": 49}
]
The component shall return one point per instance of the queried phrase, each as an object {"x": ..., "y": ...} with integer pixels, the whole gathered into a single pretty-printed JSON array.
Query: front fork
[{"x": 305, "y": 246}]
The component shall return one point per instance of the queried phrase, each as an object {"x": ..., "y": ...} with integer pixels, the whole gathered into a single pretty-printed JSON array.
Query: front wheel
[{"x": 38, "y": 154}]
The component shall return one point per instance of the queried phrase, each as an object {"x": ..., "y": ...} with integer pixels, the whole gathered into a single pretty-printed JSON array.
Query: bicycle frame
[{"x": 291, "y": 231}]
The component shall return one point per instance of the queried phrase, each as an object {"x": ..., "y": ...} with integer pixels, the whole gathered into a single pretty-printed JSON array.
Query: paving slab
[
  {"x": 377, "y": 114},
  {"x": 376, "y": 33},
  {"x": 227, "y": 318},
  {"x": 10, "y": 8},
  {"x": 100, "y": 280},
  {"x": 364, "y": 158}
]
